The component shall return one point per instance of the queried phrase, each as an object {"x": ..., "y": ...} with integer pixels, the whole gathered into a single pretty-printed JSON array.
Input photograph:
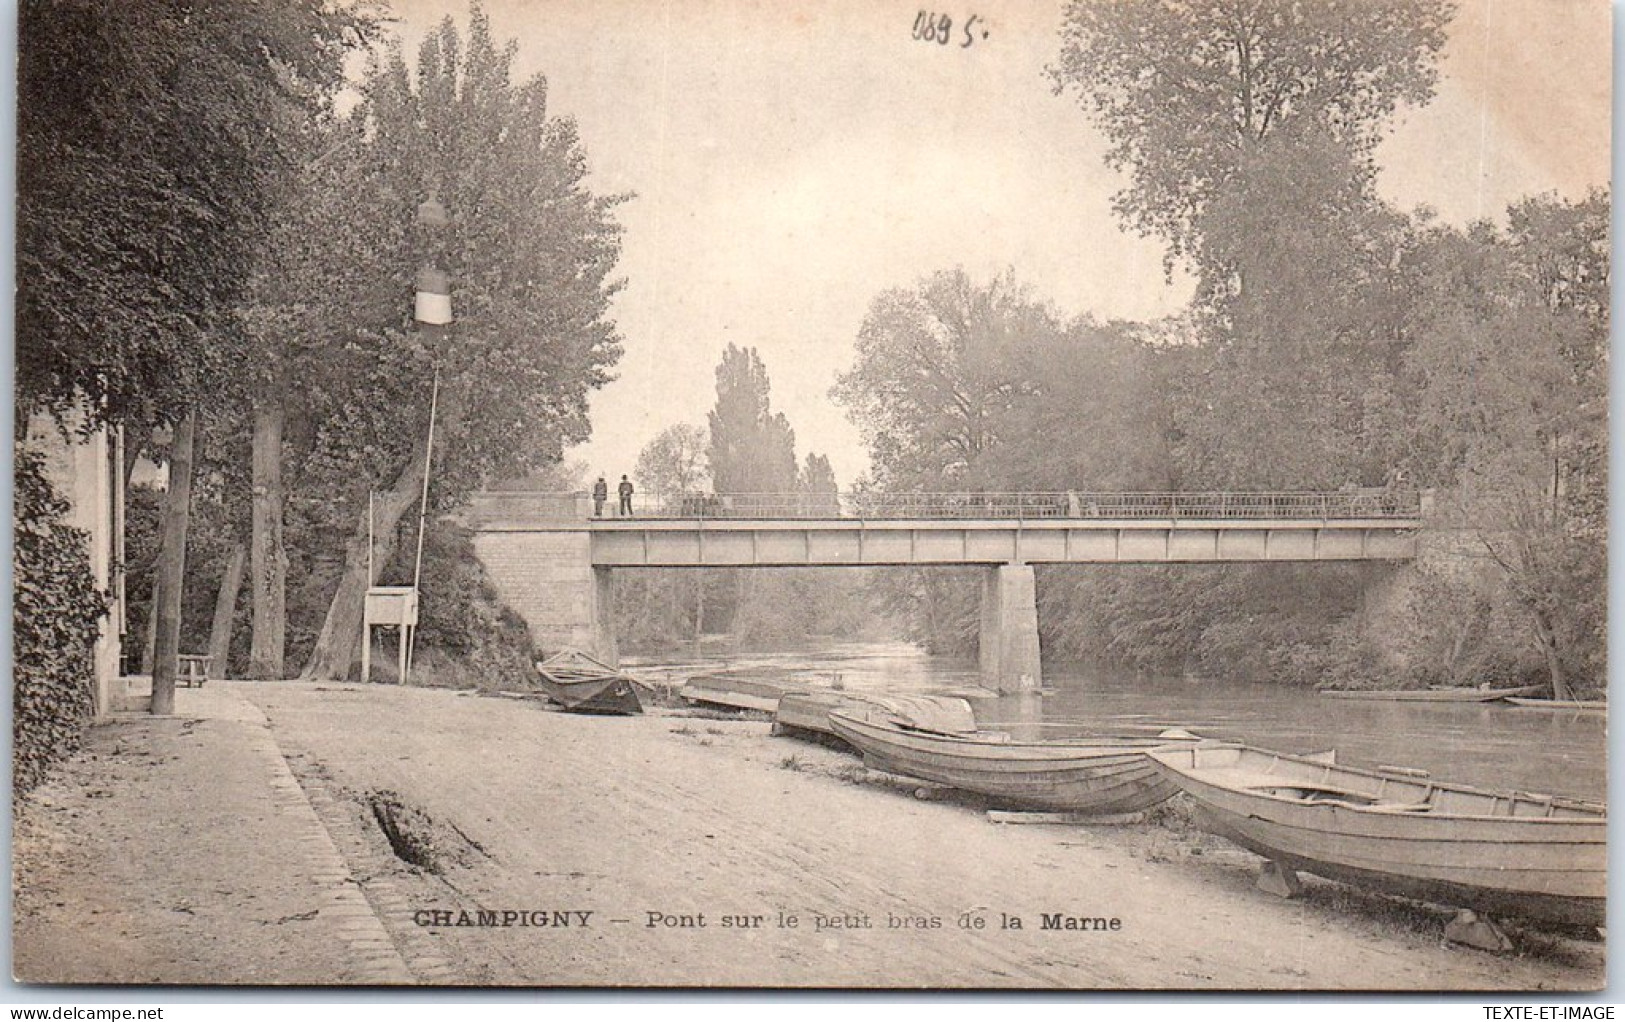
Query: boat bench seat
[{"x": 1334, "y": 797}]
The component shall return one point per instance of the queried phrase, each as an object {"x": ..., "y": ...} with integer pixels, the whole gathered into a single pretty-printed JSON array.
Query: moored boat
[
  {"x": 1435, "y": 695},
  {"x": 1575, "y": 705},
  {"x": 1097, "y": 776},
  {"x": 582, "y": 684},
  {"x": 1538, "y": 855}
]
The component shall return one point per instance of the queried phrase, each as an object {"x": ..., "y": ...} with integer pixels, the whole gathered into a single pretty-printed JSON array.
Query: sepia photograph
[{"x": 1030, "y": 495}]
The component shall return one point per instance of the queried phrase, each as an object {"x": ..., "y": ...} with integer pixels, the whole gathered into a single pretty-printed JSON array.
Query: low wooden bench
[{"x": 192, "y": 670}]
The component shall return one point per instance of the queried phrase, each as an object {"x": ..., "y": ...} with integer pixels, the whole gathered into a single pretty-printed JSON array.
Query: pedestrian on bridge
[
  {"x": 625, "y": 490},
  {"x": 600, "y": 493}
]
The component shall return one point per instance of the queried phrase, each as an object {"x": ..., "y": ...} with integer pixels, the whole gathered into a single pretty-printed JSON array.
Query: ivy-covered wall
[{"x": 56, "y": 618}]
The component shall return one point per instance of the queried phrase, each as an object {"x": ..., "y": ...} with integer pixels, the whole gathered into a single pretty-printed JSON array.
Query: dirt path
[
  {"x": 607, "y": 824},
  {"x": 179, "y": 850}
]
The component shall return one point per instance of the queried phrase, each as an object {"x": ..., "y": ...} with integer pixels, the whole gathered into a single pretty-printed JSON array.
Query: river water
[{"x": 1492, "y": 745}]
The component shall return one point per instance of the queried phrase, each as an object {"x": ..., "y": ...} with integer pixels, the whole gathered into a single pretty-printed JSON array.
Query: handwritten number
[{"x": 931, "y": 27}]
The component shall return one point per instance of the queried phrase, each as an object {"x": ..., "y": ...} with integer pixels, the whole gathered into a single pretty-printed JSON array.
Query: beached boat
[
  {"x": 1086, "y": 775},
  {"x": 1401, "y": 832},
  {"x": 1435, "y": 695},
  {"x": 1571, "y": 705},
  {"x": 736, "y": 693},
  {"x": 581, "y": 684},
  {"x": 803, "y": 712}
]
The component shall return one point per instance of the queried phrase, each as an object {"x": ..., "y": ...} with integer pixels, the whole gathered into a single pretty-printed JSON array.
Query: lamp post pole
[{"x": 432, "y": 311}]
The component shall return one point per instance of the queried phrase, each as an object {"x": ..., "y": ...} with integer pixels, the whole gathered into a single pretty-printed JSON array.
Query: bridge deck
[{"x": 741, "y": 543}]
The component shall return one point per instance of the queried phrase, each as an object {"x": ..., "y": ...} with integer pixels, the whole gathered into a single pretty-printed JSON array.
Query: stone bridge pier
[{"x": 1008, "y": 638}]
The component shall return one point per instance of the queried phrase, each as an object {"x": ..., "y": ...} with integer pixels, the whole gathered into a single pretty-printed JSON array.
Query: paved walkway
[{"x": 114, "y": 884}]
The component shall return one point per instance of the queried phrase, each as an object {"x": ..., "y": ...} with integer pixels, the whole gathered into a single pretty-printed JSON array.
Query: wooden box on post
[{"x": 388, "y": 607}]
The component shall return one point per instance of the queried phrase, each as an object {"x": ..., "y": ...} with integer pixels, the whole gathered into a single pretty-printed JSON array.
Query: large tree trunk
[
  {"x": 269, "y": 567},
  {"x": 166, "y": 600},
  {"x": 225, "y": 610},
  {"x": 1546, "y": 639},
  {"x": 151, "y": 641},
  {"x": 340, "y": 639}
]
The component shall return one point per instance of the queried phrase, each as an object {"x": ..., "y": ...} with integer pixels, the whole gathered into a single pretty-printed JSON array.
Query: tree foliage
[
  {"x": 752, "y": 448},
  {"x": 530, "y": 251},
  {"x": 674, "y": 461},
  {"x": 1185, "y": 89},
  {"x": 144, "y": 158},
  {"x": 1510, "y": 370}
]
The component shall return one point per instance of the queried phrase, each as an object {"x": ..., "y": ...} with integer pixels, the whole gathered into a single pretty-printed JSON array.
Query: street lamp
[
  {"x": 433, "y": 306},
  {"x": 398, "y": 605},
  {"x": 431, "y": 309}
]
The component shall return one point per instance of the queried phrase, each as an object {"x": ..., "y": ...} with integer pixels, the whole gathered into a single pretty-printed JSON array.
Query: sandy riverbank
[{"x": 717, "y": 833}]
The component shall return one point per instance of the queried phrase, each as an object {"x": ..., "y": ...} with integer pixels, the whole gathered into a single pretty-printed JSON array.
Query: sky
[{"x": 790, "y": 163}]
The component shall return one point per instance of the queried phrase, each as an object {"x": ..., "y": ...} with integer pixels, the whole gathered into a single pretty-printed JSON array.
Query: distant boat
[
  {"x": 1435, "y": 695},
  {"x": 1400, "y": 832},
  {"x": 1086, "y": 775},
  {"x": 582, "y": 684},
  {"x": 1577, "y": 705}
]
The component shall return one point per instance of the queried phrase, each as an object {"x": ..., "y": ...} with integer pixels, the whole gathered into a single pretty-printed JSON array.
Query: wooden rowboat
[
  {"x": 808, "y": 712},
  {"x": 1435, "y": 695},
  {"x": 581, "y": 684},
  {"x": 1402, "y": 833},
  {"x": 1573, "y": 705},
  {"x": 1090, "y": 775},
  {"x": 736, "y": 693}
]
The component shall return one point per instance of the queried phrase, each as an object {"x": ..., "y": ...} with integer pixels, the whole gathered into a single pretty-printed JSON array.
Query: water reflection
[{"x": 1488, "y": 744}]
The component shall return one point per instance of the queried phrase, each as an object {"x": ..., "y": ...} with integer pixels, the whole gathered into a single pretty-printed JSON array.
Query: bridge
[{"x": 552, "y": 556}]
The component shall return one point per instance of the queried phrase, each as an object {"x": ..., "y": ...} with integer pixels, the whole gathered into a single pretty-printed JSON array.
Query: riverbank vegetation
[{"x": 1333, "y": 342}]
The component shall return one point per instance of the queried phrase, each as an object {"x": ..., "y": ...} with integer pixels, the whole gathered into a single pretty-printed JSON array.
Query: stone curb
[
  {"x": 373, "y": 871},
  {"x": 345, "y": 904}
]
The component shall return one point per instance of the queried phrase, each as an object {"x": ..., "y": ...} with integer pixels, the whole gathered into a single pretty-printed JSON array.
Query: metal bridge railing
[
  {"x": 1380, "y": 504},
  {"x": 1339, "y": 505}
]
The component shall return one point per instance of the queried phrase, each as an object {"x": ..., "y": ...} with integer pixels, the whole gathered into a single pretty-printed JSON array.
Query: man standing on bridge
[
  {"x": 600, "y": 493},
  {"x": 625, "y": 490}
]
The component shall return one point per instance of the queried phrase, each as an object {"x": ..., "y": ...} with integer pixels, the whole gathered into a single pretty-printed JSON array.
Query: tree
[
  {"x": 529, "y": 250},
  {"x": 1303, "y": 323},
  {"x": 147, "y": 136},
  {"x": 935, "y": 367},
  {"x": 674, "y": 461},
  {"x": 820, "y": 494},
  {"x": 143, "y": 156},
  {"x": 1510, "y": 371},
  {"x": 1185, "y": 89},
  {"x": 660, "y": 607},
  {"x": 752, "y": 449}
]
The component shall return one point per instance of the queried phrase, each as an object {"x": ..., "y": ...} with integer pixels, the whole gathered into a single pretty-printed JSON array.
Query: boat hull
[
  {"x": 1106, "y": 777},
  {"x": 1562, "y": 705},
  {"x": 583, "y": 684},
  {"x": 1436, "y": 695},
  {"x": 736, "y": 693},
  {"x": 1494, "y": 852},
  {"x": 604, "y": 696}
]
